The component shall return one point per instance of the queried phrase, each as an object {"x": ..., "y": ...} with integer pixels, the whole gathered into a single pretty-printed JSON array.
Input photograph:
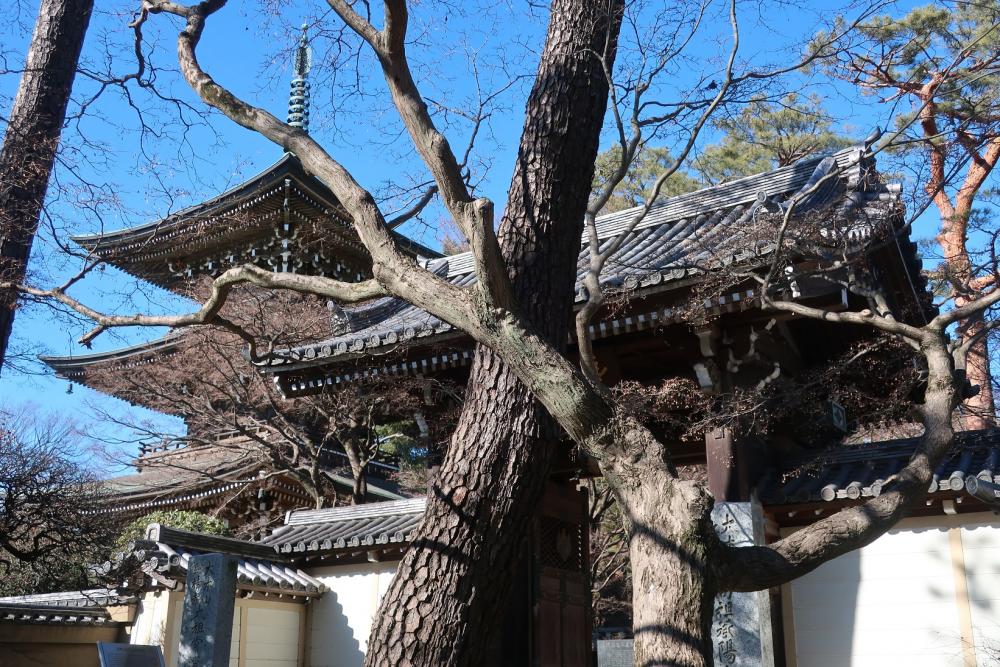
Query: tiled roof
[
  {"x": 187, "y": 469},
  {"x": 168, "y": 552},
  {"x": 371, "y": 525},
  {"x": 678, "y": 238},
  {"x": 55, "y": 615},
  {"x": 862, "y": 471},
  {"x": 251, "y": 572},
  {"x": 94, "y": 597},
  {"x": 251, "y": 187},
  {"x": 165, "y": 556},
  {"x": 73, "y": 367},
  {"x": 249, "y": 210},
  {"x": 174, "y": 476},
  {"x": 183, "y": 475},
  {"x": 88, "y": 607}
]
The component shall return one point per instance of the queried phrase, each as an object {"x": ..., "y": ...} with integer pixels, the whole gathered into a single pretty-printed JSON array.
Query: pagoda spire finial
[{"x": 298, "y": 96}]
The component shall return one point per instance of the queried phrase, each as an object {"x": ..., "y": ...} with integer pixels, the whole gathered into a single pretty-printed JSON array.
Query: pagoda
[{"x": 282, "y": 219}]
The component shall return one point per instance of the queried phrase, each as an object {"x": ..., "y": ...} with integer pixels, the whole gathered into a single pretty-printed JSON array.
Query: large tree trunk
[
  {"x": 449, "y": 593},
  {"x": 32, "y": 136},
  {"x": 671, "y": 543},
  {"x": 673, "y": 590}
]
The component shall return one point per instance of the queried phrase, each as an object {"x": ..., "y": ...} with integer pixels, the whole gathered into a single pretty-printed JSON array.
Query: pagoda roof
[
  {"x": 73, "y": 367},
  {"x": 175, "y": 476},
  {"x": 676, "y": 242},
  {"x": 282, "y": 217},
  {"x": 182, "y": 471}
]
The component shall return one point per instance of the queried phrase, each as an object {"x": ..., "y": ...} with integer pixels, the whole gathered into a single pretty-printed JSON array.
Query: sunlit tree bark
[{"x": 32, "y": 138}]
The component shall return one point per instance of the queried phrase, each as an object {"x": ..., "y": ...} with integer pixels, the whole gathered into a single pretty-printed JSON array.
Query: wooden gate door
[{"x": 562, "y": 601}]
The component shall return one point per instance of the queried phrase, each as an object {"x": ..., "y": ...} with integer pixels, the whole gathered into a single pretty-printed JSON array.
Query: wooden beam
[{"x": 211, "y": 543}]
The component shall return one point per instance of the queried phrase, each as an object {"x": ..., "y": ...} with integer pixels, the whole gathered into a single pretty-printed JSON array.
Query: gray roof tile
[
  {"x": 86, "y": 607},
  {"x": 679, "y": 237},
  {"x": 55, "y": 615},
  {"x": 168, "y": 551},
  {"x": 371, "y": 525},
  {"x": 862, "y": 471},
  {"x": 250, "y": 573},
  {"x": 94, "y": 597}
]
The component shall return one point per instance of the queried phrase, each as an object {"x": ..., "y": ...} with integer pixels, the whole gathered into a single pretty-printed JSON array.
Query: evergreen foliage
[
  {"x": 195, "y": 522},
  {"x": 765, "y": 135},
  {"x": 647, "y": 166}
]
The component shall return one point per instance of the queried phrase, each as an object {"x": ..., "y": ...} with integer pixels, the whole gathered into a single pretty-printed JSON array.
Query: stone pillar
[
  {"x": 741, "y": 627},
  {"x": 207, "y": 620}
]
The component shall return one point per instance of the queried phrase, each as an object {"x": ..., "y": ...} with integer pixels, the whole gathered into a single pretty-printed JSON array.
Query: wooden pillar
[
  {"x": 720, "y": 460},
  {"x": 733, "y": 466}
]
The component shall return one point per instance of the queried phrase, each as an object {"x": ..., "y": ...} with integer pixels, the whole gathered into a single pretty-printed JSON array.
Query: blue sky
[{"x": 246, "y": 48}]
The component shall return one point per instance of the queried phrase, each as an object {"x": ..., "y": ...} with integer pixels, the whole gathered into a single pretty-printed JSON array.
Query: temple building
[{"x": 312, "y": 585}]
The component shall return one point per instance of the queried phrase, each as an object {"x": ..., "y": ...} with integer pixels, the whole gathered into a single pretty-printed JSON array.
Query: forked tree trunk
[
  {"x": 673, "y": 590},
  {"x": 32, "y": 136},
  {"x": 449, "y": 594}
]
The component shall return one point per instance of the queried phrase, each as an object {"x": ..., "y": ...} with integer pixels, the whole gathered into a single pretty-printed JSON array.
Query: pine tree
[{"x": 765, "y": 135}]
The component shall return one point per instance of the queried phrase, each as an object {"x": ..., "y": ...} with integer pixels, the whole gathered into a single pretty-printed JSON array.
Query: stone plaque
[
  {"x": 207, "y": 620},
  {"x": 741, "y": 626},
  {"x": 129, "y": 655},
  {"x": 614, "y": 653}
]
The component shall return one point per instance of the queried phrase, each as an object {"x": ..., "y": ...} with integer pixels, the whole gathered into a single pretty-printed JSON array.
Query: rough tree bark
[
  {"x": 671, "y": 541},
  {"x": 447, "y": 597},
  {"x": 32, "y": 137}
]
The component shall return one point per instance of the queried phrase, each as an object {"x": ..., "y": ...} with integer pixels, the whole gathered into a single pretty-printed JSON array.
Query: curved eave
[
  {"x": 287, "y": 165},
  {"x": 73, "y": 367},
  {"x": 202, "y": 483},
  {"x": 133, "y": 497},
  {"x": 108, "y": 240}
]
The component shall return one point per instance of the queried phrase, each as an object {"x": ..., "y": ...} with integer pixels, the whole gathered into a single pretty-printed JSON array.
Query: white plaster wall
[
  {"x": 150, "y": 625},
  {"x": 890, "y": 603},
  {"x": 272, "y": 637},
  {"x": 981, "y": 547},
  {"x": 342, "y": 618}
]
